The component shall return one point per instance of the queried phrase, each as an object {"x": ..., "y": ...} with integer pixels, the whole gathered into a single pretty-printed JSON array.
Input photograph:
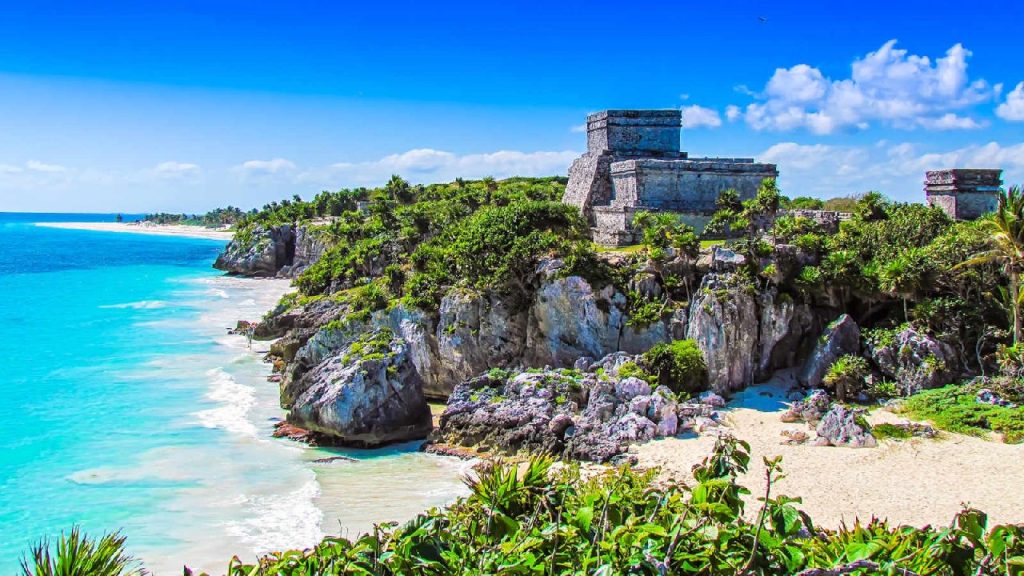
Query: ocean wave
[
  {"x": 236, "y": 400},
  {"x": 140, "y": 305},
  {"x": 280, "y": 521}
]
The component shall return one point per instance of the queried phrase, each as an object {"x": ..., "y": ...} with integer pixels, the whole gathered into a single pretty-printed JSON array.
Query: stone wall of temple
[
  {"x": 689, "y": 186},
  {"x": 964, "y": 193},
  {"x": 633, "y": 163}
]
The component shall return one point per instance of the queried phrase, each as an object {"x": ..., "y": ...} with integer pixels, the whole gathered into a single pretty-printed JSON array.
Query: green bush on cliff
[
  {"x": 679, "y": 365},
  {"x": 427, "y": 239}
]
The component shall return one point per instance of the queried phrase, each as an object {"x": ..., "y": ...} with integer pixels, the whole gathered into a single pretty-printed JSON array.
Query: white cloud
[
  {"x": 37, "y": 166},
  {"x": 578, "y": 128},
  {"x": 175, "y": 169},
  {"x": 9, "y": 169},
  {"x": 896, "y": 170},
  {"x": 425, "y": 165},
  {"x": 695, "y": 116},
  {"x": 266, "y": 167},
  {"x": 888, "y": 86},
  {"x": 950, "y": 121},
  {"x": 733, "y": 112},
  {"x": 1013, "y": 108}
]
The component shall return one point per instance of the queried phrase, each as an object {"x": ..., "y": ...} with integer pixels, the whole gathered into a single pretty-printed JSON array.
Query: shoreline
[
  {"x": 179, "y": 230},
  {"x": 913, "y": 482}
]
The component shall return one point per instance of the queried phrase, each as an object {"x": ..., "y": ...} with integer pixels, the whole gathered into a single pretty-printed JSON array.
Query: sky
[{"x": 179, "y": 106}]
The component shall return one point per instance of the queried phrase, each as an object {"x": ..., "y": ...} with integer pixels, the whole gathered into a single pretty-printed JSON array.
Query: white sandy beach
[
  {"x": 145, "y": 228},
  {"x": 914, "y": 482}
]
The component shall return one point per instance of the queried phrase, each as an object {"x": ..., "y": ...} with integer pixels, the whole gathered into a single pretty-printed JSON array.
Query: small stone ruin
[
  {"x": 964, "y": 193},
  {"x": 634, "y": 162}
]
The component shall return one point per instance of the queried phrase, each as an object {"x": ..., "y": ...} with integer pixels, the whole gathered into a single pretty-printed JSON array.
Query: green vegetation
[
  {"x": 803, "y": 203},
  {"x": 891, "y": 431},
  {"x": 217, "y": 218},
  {"x": 414, "y": 243},
  {"x": 846, "y": 376},
  {"x": 956, "y": 409},
  {"x": 531, "y": 519},
  {"x": 78, "y": 555},
  {"x": 678, "y": 365},
  {"x": 662, "y": 230},
  {"x": 745, "y": 218},
  {"x": 1005, "y": 230},
  {"x": 633, "y": 370},
  {"x": 908, "y": 262}
]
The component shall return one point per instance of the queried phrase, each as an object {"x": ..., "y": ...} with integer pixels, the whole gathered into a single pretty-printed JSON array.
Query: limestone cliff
[
  {"x": 745, "y": 329},
  {"x": 283, "y": 251}
]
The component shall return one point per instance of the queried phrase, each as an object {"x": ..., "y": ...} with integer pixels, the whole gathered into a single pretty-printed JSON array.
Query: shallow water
[{"x": 127, "y": 406}]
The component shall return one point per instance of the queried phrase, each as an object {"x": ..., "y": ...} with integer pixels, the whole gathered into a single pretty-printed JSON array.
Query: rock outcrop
[
  {"x": 842, "y": 426},
  {"x": 724, "y": 323},
  {"x": 284, "y": 251},
  {"x": 369, "y": 394},
  {"x": 811, "y": 409},
  {"x": 586, "y": 415},
  {"x": 840, "y": 338},
  {"x": 913, "y": 360}
]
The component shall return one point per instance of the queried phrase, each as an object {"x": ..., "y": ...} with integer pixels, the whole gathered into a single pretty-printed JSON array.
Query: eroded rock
[
  {"x": 841, "y": 337},
  {"x": 914, "y": 360},
  {"x": 724, "y": 324},
  {"x": 369, "y": 394},
  {"x": 842, "y": 426}
]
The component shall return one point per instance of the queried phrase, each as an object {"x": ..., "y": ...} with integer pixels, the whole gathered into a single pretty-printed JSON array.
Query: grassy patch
[
  {"x": 891, "y": 431},
  {"x": 709, "y": 243},
  {"x": 633, "y": 249},
  {"x": 955, "y": 409}
]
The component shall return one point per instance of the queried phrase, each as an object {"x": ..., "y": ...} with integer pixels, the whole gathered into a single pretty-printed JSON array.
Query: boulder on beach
[{"x": 369, "y": 394}]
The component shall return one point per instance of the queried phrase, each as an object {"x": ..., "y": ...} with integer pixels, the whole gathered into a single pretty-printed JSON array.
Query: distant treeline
[
  {"x": 327, "y": 204},
  {"x": 213, "y": 219}
]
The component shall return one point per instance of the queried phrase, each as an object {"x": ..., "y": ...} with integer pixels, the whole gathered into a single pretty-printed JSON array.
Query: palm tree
[{"x": 1005, "y": 229}]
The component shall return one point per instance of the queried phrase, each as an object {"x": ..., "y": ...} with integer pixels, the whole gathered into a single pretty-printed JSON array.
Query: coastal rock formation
[
  {"x": 308, "y": 249},
  {"x": 811, "y": 409},
  {"x": 724, "y": 323},
  {"x": 261, "y": 252},
  {"x": 475, "y": 331},
  {"x": 584, "y": 415},
  {"x": 841, "y": 337},
  {"x": 284, "y": 251},
  {"x": 842, "y": 426},
  {"x": 368, "y": 395},
  {"x": 913, "y": 360}
]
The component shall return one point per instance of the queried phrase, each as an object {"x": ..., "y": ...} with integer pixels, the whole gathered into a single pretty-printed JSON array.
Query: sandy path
[
  {"x": 913, "y": 482},
  {"x": 135, "y": 228}
]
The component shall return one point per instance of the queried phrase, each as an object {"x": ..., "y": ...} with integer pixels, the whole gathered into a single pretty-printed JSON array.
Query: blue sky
[{"x": 146, "y": 106}]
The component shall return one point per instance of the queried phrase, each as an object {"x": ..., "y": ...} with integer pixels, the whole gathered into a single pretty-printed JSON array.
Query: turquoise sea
[{"x": 127, "y": 406}]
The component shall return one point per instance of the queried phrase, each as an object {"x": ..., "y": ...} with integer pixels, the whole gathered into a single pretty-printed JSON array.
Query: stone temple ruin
[
  {"x": 964, "y": 193},
  {"x": 633, "y": 163}
]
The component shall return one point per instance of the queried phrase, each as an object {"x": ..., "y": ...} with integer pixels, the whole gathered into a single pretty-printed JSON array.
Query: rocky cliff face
[
  {"x": 283, "y": 251},
  {"x": 368, "y": 393},
  {"x": 745, "y": 330}
]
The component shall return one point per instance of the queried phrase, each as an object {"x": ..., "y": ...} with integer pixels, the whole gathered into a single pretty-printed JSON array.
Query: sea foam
[{"x": 235, "y": 401}]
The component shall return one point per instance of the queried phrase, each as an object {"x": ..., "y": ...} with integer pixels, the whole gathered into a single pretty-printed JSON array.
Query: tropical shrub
[
  {"x": 531, "y": 519},
  {"x": 846, "y": 376},
  {"x": 679, "y": 365},
  {"x": 79, "y": 555}
]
